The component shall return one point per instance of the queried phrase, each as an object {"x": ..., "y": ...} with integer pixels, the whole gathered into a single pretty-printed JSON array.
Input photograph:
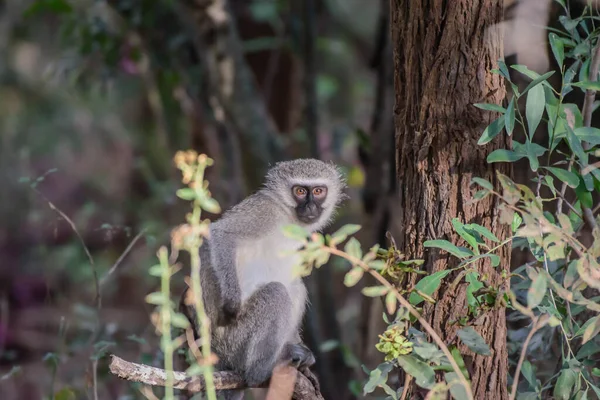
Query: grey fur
[{"x": 254, "y": 302}]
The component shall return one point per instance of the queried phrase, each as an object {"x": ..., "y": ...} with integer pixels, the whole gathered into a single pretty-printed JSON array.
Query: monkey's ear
[{"x": 344, "y": 196}]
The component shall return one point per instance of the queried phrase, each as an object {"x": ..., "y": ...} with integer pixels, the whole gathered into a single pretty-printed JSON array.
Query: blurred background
[{"x": 96, "y": 96}]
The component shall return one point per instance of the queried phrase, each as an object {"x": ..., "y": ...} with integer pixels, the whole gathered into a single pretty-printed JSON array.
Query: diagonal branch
[{"x": 304, "y": 388}]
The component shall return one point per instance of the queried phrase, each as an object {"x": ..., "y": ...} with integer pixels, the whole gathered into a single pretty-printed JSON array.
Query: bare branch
[
  {"x": 85, "y": 248},
  {"x": 304, "y": 389},
  {"x": 122, "y": 257}
]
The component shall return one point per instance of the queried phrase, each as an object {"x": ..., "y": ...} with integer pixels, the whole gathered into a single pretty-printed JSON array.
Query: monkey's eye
[
  {"x": 299, "y": 191},
  {"x": 319, "y": 191}
]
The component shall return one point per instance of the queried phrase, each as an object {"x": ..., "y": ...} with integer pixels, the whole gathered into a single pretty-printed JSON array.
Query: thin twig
[
  {"x": 560, "y": 195},
  {"x": 85, "y": 248},
  {"x": 95, "y": 378},
  {"x": 534, "y": 328},
  {"x": 122, "y": 257},
  {"x": 436, "y": 338}
]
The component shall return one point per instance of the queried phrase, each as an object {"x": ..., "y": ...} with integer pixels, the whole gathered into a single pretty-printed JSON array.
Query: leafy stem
[{"x": 436, "y": 338}]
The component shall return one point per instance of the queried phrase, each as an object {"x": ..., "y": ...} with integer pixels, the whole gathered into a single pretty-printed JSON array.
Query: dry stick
[
  {"x": 303, "y": 390},
  {"x": 534, "y": 328},
  {"x": 436, "y": 338},
  {"x": 122, "y": 257},
  {"x": 95, "y": 378}
]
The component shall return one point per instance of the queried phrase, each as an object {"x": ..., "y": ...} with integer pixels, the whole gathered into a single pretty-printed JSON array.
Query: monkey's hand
[{"x": 229, "y": 310}]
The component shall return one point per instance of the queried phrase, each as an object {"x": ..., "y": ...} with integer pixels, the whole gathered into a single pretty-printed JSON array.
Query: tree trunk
[{"x": 443, "y": 54}]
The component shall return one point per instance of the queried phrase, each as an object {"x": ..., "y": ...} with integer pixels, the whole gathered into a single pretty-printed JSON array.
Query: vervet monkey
[{"x": 253, "y": 297}]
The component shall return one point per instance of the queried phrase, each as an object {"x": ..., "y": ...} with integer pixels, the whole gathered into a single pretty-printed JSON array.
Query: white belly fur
[{"x": 255, "y": 270}]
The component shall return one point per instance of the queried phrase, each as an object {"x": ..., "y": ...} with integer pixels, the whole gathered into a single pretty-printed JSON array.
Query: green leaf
[
  {"x": 575, "y": 145},
  {"x": 529, "y": 374},
  {"x": 353, "y": 277},
  {"x": 483, "y": 231},
  {"x": 534, "y": 110},
  {"x": 457, "y": 390},
  {"x": 424, "y": 375},
  {"x": 295, "y": 232},
  {"x": 490, "y": 107},
  {"x": 179, "y": 320},
  {"x": 509, "y": 117},
  {"x": 390, "y": 302},
  {"x": 483, "y": 183},
  {"x": 209, "y": 204},
  {"x": 344, "y": 232},
  {"x": 492, "y": 131},
  {"x": 558, "y": 48},
  {"x": 459, "y": 252},
  {"x": 502, "y": 155},
  {"x": 474, "y": 341},
  {"x": 588, "y": 134},
  {"x": 377, "y": 377},
  {"x": 503, "y": 69},
  {"x": 427, "y": 285},
  {"x": 459, "y": 227},
  {"x": 494, "y": 258},
  {"x": 588, "y": 85},
  {"x": 537, "y": 291},
  {"x": 156, "y": 298},
  {"x": 592, "y": 330},
  {"x": 583, "y": 195},
  {"x": 377, "y": 265},
  {"x": 186, "y": 194},
  {"x": 537, "y": 81},
  {"x": 516, "y": 222},
  {"x": 564, "y": 384},
  {"x": 459, "y": 361},
  {"x": 570, "y": 275},
  {"x": 531, "y": 150},
  {"x": 353, "y": 248},
  {"x": 375, "y": 291},
  {"x": 568, "y": 177},
  {"x": 156, "y": 270}
]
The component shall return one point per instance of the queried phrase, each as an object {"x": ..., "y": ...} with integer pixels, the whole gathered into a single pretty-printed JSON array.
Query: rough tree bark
[{"x": 443, "y": 54}]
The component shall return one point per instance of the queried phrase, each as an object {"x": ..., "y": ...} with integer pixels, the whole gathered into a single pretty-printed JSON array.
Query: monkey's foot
[{"x": 299, "y": 356}]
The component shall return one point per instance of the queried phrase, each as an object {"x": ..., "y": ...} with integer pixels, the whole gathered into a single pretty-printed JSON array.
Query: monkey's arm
[
  {"x": 223, "y": 261},
  {"x": 250, "y": 220}
]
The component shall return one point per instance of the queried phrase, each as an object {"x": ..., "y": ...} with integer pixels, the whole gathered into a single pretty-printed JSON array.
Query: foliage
[
  {"x": 558, "y": 287},
  {"x": 187, "y": 237}
]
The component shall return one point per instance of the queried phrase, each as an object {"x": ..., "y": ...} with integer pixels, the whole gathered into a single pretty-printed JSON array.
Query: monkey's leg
[
  {"x": 257, "y": 337},
  {"x": 260, "y": 332}
]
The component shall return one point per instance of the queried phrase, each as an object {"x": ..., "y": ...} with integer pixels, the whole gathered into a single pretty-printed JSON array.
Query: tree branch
[
  {"x": 232, "y": 84},
  {"x": 304, "y": 388}
]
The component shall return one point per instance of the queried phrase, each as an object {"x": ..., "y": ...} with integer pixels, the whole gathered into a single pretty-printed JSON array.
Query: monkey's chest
[{"x": 264, "y": 261}]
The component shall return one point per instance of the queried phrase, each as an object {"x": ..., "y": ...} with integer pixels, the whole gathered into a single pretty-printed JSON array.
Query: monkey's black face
[{"x": 309, "y": 202}]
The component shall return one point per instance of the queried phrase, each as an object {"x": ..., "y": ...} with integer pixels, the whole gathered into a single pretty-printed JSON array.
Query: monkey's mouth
[{"x": 308, "y": 218}]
